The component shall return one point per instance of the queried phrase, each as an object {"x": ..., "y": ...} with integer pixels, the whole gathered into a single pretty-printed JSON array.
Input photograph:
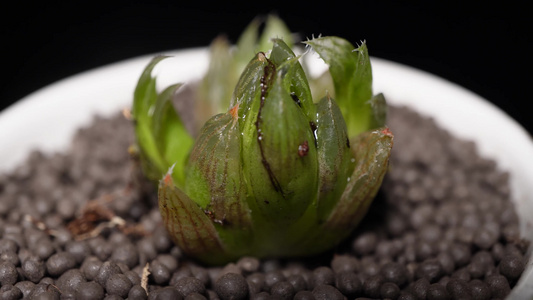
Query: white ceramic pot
[{"x": 48, "y": 118}]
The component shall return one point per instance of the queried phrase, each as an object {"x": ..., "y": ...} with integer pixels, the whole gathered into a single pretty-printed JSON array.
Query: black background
[{"x": 485, "y": 46}]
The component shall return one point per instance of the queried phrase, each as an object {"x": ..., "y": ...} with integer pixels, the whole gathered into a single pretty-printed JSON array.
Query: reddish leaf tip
[
  {"x": 234, "y": 111},
  {"x": 386, "y": 131},
  {"x": 167, "y": 179}
]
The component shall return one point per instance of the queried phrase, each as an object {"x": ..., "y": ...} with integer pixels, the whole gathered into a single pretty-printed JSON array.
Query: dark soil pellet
[
  {"x": 58, "y": 263},
  {"x": 282, "y": 290},
  {"x": 262, "y": 296},
  {"x": 370, "y": 267},
  {"x": 169, "y": 261},
  {"x": 365, "y": 243},
  {"x": 462, "y": 274},
  {"x": 106, "y": 270},
  {"x": 304, "y": 295},
  {"x": 486, "y": 236},
  {"x": 118, "y": 284},
  {"x": 372, "y": 286},
  {"x": 70, "y": 280},
  {"x": 125, "y": 253},
  {"x": 458, "y": 289},
  {"x": 8, "y": 273},
  {"x": 10, "y": 292},
  {"x": 187, "y": 285},
  {"x": 253, "y": 288},
  {"x": 45, "y": 248},
  {"x": 430, "y": 269},
  {"x": 25, "y": 287},
  {"x": 461, "y": 254},
  {"x": 179, "y": 274},
  {"x": 348, "y": 283},
  {"x": 44, "y": 291},
  {"x": 159, "y": 272},
  {"x": 133, "y": 276},
  {"x": 90, "y": 267},
  {"x": 512, "y": 266},
  {"x": 341, "y": 263},
  {"x": 420, "y": 287},
  {"x": 389, "y": 290},
  {"x": 8, "y": 245},
  {"x": 164, "y": 293},
  {"x": 257, "y": 279},
  {"x": 33, "y": 269},
  {"x": 273, "y": 277},
  {"x": 441, "y": 227},
  {"x": 395, "y": 273},
  {"x": 323, "y": 275},
  {"x": 78, "y": 249},
  {"x": 479, "y": 290},
  {"x": 498, "y": 285},
  {"x": 327, "y": 292},
  {"x": 201, "y": 274},
  {"x": 437, "y": 292},
  {"x": 137, "y": 292},
  {"x": 231, "y": 286},
  {"x": 481, "y": 263},
  {"x": 10, "y": 256},
  {"x": 297, "y": 281},
  {"x": 89, "y": 290},
  {"x": 101, "y": 248},
  {"x": 249, "y": 264},
  {"x": 195, "y": 296},
  {"x": 446, "y": 262}
]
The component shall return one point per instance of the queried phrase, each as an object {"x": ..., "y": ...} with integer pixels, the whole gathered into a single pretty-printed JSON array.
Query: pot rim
[{"x": 48, "y": 118}]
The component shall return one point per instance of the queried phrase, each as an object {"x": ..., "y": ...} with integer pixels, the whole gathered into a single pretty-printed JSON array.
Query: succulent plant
[{"x": 272, "y": 172}]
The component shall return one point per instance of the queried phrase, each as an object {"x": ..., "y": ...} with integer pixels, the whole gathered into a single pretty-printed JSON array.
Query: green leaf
[
  {"x": 188, "y": 225},
  {"x": 215, "y": 181},
  {"x": 227, "y": 64},
  {"x": 379, "y": 110},
  {"x": 144, "y": 98},
  {"x": 294, "y": 77},
  {"x": 351, "y": 72},
  {"x": 145, "y": 93},
  {"x": 334, "y": 155},
  {"x": 214, "y": 174},
  {"x": 160, "y": 133},
  {"x": 280, "y": 157},
  {"x": 371, "y": 150},
  {"x": 249, "y": 87},
  {"x": 172, "y": 138}
]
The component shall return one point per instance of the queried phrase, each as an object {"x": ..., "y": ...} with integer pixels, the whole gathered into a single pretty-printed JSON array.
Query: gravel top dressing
[{"x": 81, "y": 225}]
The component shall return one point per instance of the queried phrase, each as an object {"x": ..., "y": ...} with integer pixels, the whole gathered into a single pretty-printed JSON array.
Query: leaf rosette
[{"x": 272, "y": 173}]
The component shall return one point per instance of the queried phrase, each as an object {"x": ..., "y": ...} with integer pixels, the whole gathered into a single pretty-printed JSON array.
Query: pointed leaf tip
[
  {"x": 351, "y": 74},
  {"x": 167, "y": 178}
]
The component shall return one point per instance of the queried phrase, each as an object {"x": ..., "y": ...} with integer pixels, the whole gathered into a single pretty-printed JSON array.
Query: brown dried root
[
  {"x": 96, "y": 217},
  {"x": 41, "y": 225}
]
